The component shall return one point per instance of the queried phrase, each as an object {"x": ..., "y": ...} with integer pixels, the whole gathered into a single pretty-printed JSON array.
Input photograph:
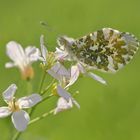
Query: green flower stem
[
  {"x": 16, "y": 136},
  {"x": 41, "y": 117},
  {"x": 48, "y": 87},
  {"x": 44, "y": 99},
  {"x": 40, "y": 88},
  {"x": 42, "y": 82},
  {"x": 29, "y": 87}
]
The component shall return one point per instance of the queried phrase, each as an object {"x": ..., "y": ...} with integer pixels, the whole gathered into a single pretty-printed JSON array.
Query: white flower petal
[
  {"x": 61, "y": 54},
  {"x": 9, "y": 92},
  {"x": 74, "y": 75},
  {"x": 62, "y": 105},
  {"x": 63, "y": 93},
  {"x": 15, "y": 52},
  {"x": 30, "y": 50},
  {"x": 44, "y": 50},
  {"x": 29, "y": 101},
  {"x": 32, "y": 53},
  {"x": 53, "y": 74},
  {"x": 10, "y": 65},
  {"x": 97, "y": 78},
  {"x": 4, "y": 112},
  {"x": 20, "y": 120},
  {"x": 58, "y": 71},
  {"x": 81, "y": 68}
]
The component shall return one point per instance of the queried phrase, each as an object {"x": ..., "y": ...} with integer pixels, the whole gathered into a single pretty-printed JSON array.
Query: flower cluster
[
  {"x": 20, "y": 118},
  {"x": 53, "y": 64}
]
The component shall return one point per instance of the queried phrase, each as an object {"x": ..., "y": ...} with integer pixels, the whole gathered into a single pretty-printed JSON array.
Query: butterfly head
[
  {"x": 66, "y": 44},
  {"x": 65, "y": 41}
]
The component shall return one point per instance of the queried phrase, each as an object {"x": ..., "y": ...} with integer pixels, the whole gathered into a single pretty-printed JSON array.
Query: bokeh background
[{"x": 107, "y": 112}]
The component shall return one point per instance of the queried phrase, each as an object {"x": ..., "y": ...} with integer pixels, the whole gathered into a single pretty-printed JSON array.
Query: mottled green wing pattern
[{"x": 106, "y": 49}]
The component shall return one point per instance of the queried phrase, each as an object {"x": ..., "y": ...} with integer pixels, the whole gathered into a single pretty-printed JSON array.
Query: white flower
[
  {"x": 65, "y": 100},
  {"x": 62, "y": 105},
  {"x": 22, "y": 58},
  {"x": 20, "y": 118},
  {"x": 65, "y": 77}
]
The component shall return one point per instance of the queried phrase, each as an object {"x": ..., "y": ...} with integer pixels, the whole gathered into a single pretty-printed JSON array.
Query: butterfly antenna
[{"x": 48, "y": 27}]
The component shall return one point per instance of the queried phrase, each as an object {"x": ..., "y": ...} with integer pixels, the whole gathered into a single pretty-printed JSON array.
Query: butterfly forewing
[{"x": 106, "y": 49}]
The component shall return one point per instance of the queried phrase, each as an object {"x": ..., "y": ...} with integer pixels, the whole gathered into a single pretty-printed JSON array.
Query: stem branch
[
  {"x": 42, "y": 82},
  {"x": 41, "y": 117},
  {"x": 47, "y": 88},
  {"x": 16, "y": 136}
]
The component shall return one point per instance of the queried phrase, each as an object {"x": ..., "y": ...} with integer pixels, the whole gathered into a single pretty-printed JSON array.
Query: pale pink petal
[{"x": 20, "y": 120}]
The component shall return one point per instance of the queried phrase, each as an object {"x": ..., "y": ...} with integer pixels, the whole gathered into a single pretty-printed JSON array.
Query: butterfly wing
[{"x": 107, "y": 49}]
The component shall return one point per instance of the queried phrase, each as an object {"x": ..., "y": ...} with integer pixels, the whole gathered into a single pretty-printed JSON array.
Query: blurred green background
[{"x": 107, "y": 112}]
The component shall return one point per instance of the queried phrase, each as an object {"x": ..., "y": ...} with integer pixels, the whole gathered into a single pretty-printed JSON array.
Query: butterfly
[{"x": 106, "y": 49}]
